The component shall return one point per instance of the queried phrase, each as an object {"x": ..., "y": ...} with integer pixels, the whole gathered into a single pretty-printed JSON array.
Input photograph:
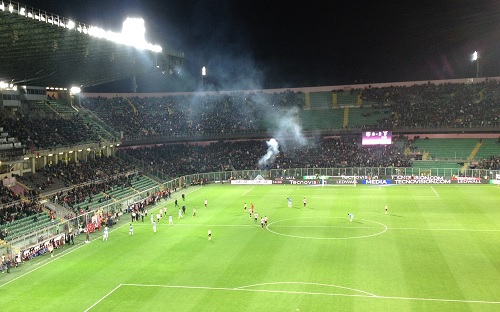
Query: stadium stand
[
  {"x": 367, "y": 117},
  {"x": 445, "y": 149},
  {"x": 241, "y": 122}
]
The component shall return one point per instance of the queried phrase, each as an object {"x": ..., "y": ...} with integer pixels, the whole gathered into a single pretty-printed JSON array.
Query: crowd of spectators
[
  {"x": 86, "y": 192},
  {"x": 237, "y": 112},
  {"x": 66, "y": 174},
  {"x": 439, "y": 105},
  {"x": 19, "y": 210},
  {"x": 183, "y": 159},
  {"x": 490, "y": 163},
  {"x": 7, "y": 195},
  {"x": 425, "y": 106},
  {"x": 36, "y": 132}
]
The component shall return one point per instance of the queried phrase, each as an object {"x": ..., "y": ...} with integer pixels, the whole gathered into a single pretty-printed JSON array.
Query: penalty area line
[
  {"x": 435, "y": 191},
  {"x": 98, "y": 301},
  {"x": 361, "y": 294},
  {"x": 248, "y": 191}
]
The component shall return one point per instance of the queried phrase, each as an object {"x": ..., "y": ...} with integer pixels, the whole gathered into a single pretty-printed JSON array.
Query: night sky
[{"x": 277, "y": 44}]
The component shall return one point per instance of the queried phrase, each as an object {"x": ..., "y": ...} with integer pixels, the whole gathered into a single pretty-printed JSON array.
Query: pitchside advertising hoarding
[
  {"x": 396, "y": 179},
  {"x": 369, "y": 180},
  {"x": 497, "y": 179}
]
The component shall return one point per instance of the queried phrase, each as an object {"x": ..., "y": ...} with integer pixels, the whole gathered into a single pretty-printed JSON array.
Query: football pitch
[{"x": 436, "y": 249}]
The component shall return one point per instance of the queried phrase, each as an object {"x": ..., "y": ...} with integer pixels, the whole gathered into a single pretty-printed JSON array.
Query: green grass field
[{"x": 437, "y": 249}]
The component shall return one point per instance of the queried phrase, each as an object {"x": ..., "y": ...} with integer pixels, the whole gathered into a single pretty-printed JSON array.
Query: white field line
[
  {"x": 64, "y": 253},
  {"x": 248, "y": 191},
  {"x": 435, "y": 191},
  {"x": 98, "y": 301},
  {"x": 362, "y": 294}
]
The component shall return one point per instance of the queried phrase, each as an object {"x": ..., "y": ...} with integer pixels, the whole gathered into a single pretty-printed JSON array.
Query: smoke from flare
[{"x": 272, "y": 153}]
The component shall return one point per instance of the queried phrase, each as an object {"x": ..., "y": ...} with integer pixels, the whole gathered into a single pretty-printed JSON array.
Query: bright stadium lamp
[
  {"x": 475, "y": 58},
  {"x": 70, "y": 24},
  {"x": 203, "y": 74},
  {"x": 75, "y": 90}
]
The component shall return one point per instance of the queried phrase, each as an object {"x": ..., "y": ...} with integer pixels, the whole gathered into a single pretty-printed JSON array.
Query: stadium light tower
[
  {"x": 475, "y": 57},
  {"x": 203, "y": 74}
]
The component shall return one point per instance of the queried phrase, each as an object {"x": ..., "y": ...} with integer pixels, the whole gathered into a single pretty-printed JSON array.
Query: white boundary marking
[
  {"x": 316, "y": 284},
  {"x": 363, "y": 294},
  {"x": 64, "y": 253},
  {"x": 248, "y": 191},
  {"x": 98, "y": 301},
  {"x": 382, "y": 230},
  {"x": 458, "y": 230},
  {"x": 435, "y": 191}
]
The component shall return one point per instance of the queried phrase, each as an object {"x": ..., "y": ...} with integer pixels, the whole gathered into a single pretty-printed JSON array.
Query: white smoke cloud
[
  {"x": 270, "y": 156},
  {"x": 288, "y": 129},
  {"x": 284, "y": 123}
]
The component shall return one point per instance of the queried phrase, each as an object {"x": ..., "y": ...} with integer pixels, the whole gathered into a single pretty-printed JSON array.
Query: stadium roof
[{"x": 42, "y": 49}]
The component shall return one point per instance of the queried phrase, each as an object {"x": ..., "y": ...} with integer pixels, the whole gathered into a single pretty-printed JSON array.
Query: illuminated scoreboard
[{"x": 382, "y": 137}]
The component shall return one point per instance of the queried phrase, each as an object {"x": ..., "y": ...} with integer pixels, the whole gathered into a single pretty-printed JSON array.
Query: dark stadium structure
[{"x": 48, "y": 53}]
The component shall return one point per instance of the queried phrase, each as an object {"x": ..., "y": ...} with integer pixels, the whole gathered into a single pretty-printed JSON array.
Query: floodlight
[
  {"x": 475, "y": 58},
  {"x": 70, "y": 24},
  {"x": 11, "y": 8},
  {"x": 75, "y": 90}
]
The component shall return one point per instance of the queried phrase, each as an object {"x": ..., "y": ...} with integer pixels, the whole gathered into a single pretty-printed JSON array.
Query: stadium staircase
[
  {"x": 131, "y": 105},
  {"x": 346, "y": 117},
  {"x": 103, "y": 130},
  {"x": 45, "y": 108},
  {"x": 489, "y": 147},
  {"x": 472, "y": 155},
  {"x": 407, "y": 151},
  {"x": 61, "y": 108}
]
